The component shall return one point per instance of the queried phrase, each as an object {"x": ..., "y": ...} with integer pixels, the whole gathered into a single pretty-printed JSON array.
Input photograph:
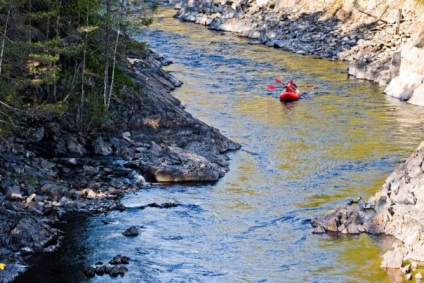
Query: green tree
[{"x": 65, "y": 51}]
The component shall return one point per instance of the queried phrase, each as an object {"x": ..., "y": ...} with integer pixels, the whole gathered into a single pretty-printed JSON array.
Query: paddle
[
  {"x": 271, "y": 87},
  {"x": 278, "y": 81}
]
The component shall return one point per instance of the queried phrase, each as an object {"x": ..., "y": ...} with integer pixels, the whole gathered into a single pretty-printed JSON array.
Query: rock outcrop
[
  {"x": 397, "y": 209},
  {"x": 408, "y": 80},
  {"x": 381, "y": 41}
]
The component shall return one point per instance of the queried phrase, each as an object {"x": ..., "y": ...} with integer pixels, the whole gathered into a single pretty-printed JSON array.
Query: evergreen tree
[{"x": 64, "y": 51}]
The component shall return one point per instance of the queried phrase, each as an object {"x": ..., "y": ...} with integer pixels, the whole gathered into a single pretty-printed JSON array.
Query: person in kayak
[{"x": 290, "y": 86}]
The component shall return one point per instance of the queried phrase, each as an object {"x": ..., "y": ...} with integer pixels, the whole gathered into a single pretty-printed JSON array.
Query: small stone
[
  {"x": 126, "y": 135},
  {"x": 319, "y": 230},
  {"x": 168, "y": 205},
  {"x": 102, "y": 269},
  {"x": 90, "y": 272},
  {"x": 120, "y": 259},
  {"x": 114, "y": 271},
  {"x": 418, "y": 276},
  {"x": 406, "y": 269},
  {"x": 14, "y": 194},
  {"x": 123, "y": 270},
  {"x": 132, "y": 231}
]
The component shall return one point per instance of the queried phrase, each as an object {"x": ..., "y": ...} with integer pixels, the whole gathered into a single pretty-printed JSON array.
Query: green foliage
[
  {"x": 133, "y": 47},
  {"x": 122, "y": 81},
  {"x": 59, "y": 108},
  {"x": 96, "y": 113},
  {"x": 20, "y": 177},
  {"x": 56, "y": 53}
]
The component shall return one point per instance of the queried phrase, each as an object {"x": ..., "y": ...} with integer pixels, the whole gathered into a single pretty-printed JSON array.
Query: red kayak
[
  {"x": 290, "y": 92},
  {"x": 290, "y": 95}
]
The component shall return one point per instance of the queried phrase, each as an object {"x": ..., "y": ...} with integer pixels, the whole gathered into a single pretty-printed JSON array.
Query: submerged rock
[
  {"x": 112, "y": 269},
  {"x": 120, "y": 259},
  {"x": 344, "y": 220}
]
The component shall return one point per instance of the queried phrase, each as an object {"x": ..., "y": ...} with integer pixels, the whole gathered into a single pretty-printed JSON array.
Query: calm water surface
[{"x": 298, "y": 160}]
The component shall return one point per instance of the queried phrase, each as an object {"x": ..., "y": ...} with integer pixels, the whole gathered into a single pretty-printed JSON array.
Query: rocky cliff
[{"x": 381, "y": 40}]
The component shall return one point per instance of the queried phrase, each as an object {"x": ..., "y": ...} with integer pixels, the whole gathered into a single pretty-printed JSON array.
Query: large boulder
[
  {"x": 409, "y": 83},
  {"x": 31, "y": 235}
]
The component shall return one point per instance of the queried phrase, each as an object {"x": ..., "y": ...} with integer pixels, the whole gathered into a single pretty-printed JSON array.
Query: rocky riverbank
[
  {"x": 382, "y": 42},
  {"x": 49, "y": 170},
  {"x": 396, "y": 209}
]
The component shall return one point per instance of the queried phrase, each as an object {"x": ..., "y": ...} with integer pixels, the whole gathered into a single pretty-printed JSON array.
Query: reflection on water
[{"x": 298, "y": 160}]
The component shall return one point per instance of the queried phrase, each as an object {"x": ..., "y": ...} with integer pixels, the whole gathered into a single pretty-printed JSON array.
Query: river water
[{"x": 298, "y": 160}]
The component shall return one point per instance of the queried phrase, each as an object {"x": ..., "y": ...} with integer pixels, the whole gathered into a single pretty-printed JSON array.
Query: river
[{"x": 298, "y": 160}]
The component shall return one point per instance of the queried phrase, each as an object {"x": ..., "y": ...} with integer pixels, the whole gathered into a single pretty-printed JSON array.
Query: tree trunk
[
  {"x": 106, "y": 52},
  {"x": 115, "y": 48},
  {"x": 4, "y": 41},
  {"x": 82, "y": 101},
  {"x": 113, "y": 68}
]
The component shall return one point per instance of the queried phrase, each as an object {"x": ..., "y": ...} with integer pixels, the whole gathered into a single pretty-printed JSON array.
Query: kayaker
[{"x": 290, "y": 86}]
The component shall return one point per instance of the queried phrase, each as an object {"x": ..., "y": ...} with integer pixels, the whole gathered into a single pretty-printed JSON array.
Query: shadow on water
[{"x": 298, "y": 160}]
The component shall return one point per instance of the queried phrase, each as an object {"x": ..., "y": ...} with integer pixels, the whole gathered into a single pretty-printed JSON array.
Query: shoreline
[
  {"x": 377, "y": 46},
  {"x": 48, "y": 172},
  {"x": 52, "y": 200}
]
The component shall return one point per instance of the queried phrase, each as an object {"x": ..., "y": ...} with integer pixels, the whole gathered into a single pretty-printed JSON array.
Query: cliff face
[
  {"x": 383, "y": 41},
  {"x": 408, "y": 84},
  {"x": 399, "y": 207}
]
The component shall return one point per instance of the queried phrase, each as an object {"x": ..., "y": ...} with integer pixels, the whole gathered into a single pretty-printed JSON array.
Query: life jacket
[{"x": 290, "y": 86}]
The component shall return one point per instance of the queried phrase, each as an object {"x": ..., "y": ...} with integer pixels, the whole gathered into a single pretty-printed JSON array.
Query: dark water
[{"x": 340, "y": 141}]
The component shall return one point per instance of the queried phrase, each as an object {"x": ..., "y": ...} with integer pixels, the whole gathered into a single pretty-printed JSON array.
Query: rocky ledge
[
  {"x": 382, "y": 42},
  {"x": 48, "y": 169}
]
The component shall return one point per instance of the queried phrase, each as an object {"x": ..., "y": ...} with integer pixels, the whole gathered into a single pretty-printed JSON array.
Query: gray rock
[
  {"x": 345, "y": 220},
  {"x": 406, "y": 269},
  {"x": 392, "y": 259},
  {"x": 395, "y": 64},
  {"x": 35, "y": 134},
  {"x": 319, "y": 230},
  {"x": 101, "y": 147},
  {"x": 53, "y": 191},
  {"x": 31, "y": 235},
  {"x": 14, "y": 194},
  {"x": 73, "y": 146},
  {"x": 132, "y": 231},
  {"x": 120, "y": 259}
]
